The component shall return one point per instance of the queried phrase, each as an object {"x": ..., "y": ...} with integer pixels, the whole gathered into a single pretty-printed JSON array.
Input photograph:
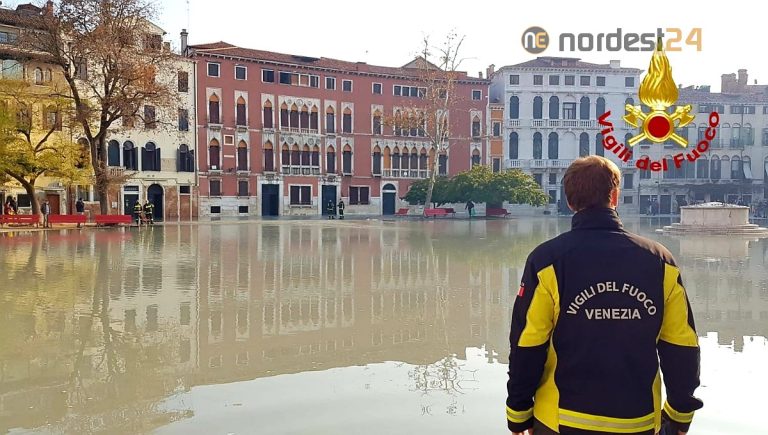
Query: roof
[
  {"x": 568, "y": 63},
  {"x": 692, "y": 95},
  {"x": 224, "y": 49}
]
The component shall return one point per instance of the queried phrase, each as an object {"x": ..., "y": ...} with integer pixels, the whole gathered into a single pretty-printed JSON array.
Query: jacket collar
[{"x": 596, "y": 218}]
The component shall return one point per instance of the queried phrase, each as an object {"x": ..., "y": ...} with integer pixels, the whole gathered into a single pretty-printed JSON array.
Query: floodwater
[{"x": 318, "y": 327}]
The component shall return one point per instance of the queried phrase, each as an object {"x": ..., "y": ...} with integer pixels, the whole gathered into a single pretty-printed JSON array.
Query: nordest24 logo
[{"x": 658, "y": 92}]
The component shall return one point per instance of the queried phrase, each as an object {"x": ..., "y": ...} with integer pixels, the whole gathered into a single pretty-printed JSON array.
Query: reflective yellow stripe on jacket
[
  {"x": 599, "y": 423},
  {"x": 519, "y": 416}
]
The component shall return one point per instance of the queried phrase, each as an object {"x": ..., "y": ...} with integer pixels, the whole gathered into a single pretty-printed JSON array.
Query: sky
[{"x": 390, "y": 32}]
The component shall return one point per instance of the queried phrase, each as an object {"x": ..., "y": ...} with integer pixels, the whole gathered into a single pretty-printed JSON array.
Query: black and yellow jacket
[{"x": 598, "y": 309}]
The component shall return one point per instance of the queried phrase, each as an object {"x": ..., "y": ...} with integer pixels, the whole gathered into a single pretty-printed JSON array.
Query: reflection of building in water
[
  {"x": 727, "y": 285},
  {"x": 281, "y": 298}
]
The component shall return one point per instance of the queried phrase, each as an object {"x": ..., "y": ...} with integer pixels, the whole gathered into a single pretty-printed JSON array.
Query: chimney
[
  {"x": 742, "y": 77},
  {"x": 490, "y": 70},
  {"x": 615, "y": 64},
  {"x": 728, "y": 83},
  {"x": 480, "y": 74},
  {"x": 184, "y": 35}
]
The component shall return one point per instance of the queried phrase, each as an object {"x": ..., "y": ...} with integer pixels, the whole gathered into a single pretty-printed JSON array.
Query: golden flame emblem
[{"x": 658, "y": 91}]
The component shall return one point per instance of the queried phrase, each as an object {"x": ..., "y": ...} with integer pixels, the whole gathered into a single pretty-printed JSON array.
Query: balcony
[
  {"x": 513, "y": 123},
  {"x": 296, "y": 130},
  {"x": 570, "y": 123},
  {"x": 553, "y": 123},
  {"x": 538, "y": 163},
  {"x": 116, "y": 171},
  {"x": 513, "y": 163},
  {"x": 537, "y": 123},
  {"x": 587, "y": 123},
  {"x": 405, "y": 173},
  {"x": 300, "y": 170},
  {"x": 559, "y": 163}
]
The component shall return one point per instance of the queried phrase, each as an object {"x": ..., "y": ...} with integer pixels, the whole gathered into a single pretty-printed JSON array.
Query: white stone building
[{"x": 551, "y": 107}]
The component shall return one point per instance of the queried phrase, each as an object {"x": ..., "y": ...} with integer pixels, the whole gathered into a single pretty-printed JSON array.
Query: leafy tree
[{"x": 442, "y": 192}]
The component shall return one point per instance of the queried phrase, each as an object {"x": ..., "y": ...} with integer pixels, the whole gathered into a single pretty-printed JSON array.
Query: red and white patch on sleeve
[{"x": 522, "y": 289}]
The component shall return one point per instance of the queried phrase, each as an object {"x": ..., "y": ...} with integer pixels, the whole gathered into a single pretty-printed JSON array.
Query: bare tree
[
  {"x": 109, "y": 53},
  {"x": 438, "y": 80}
]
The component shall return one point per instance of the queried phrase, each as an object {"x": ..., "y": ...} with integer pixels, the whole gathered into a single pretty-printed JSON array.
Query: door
[
  {"x": 129, "y": 200},
  {"x": 665, "y": 204},
  {"x": 270, "y": 199},
  {"x": 328, "y": 194},
  {"x": 389, "y": 198},
  {"x": 155, "y": 197},
  {"x": 55, "y": 201},
  {"x": 681, "y": 201}
]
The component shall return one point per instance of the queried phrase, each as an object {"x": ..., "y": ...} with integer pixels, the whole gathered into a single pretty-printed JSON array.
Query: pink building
[{"x": 283, "y": 134}]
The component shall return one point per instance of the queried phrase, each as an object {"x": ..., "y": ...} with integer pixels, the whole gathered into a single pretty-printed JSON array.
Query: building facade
[
  {"x": 551, "y": 110},
  {"x": 283, "y": 134}
]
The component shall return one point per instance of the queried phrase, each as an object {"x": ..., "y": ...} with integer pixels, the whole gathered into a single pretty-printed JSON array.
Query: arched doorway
[
  {"x": 155, "y": 197},
  {"x": 389, "y": 194}
]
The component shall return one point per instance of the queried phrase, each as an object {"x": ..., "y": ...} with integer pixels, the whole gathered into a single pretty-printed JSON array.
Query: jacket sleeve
[
  {"x": 678, "y": 349},
  {"x": 532, "y": 323}
]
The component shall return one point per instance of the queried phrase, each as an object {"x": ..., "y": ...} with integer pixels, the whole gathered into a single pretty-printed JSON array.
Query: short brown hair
[{"x": 589, "y": 182}]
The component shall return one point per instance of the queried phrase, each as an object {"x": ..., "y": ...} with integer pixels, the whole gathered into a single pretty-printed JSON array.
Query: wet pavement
[{"x": 318, "y": 327}]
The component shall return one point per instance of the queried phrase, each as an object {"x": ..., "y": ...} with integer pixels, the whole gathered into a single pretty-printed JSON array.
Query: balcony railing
[
  {"x": 559, "y": 163},
  {"x": 405, "y": 173},
  {"x": 513, "y": 163},
  {"x": 587, "y": 123},
  {"x": 570, "y": 123},
  {"x": 116, "y": 171},
  {"x": 538, "y": 163},
  {"x": 553, "y": 123},
  {"x": 297, "y": 130},
  {"x": 513, "y": 123},
  {"x": 537, "y": 123},
  {"x": 300, "y": 170}
]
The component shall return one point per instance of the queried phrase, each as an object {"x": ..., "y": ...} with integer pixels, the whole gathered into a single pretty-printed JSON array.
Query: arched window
[
  {"x": 295, "y": 155},
  {"x": 514, "y": 146},
  {"x": 242, "y": 156},
  {"x": 346, "y": 160},
  {"x": 714, "y": 168},
  {"x": 476, "y": 127},
  {"x": 268, "y": 114},
  {"x": 398, "y": 125},
  {"x": 725, "y": 165},
  {"x": 747, "y": 135},
  {"x": 404, "y": 162},
  {"x": 396, "y": 158},
  {"x": 150, "y": 159},
  {"x": 294, "y": 118},
  {"x": 423, "y": 160},
  {"x": 553, "y": 147},
  {"x": 584, "y": 108},
  {"x": 214, "y": 155},
  {"x": 285, "y": 157},
  {"x": 214, "y": 112},
  {"x": 599, "y": 148},
  {"x": 689, "y": 169},
  {"x": 600, "y": 107},
  {"x": 387, "y": 157},
  {"x": 316, "y": 156},
  {"x": 414, "y": 162},
  {"x": 130, "y": 156},
  {"x": 736, "y": 136},
  {"x": 746, "y": 167},
  {"x": 313, "y": 119},
  {"x": 241, "y": 117},
  {"x": 113, "y": 153},
  {"x": 38, "y": 76},
  {"x": 285, "y": 116},
  {"x": 306, "y": 155},
  {"x": 627, "y": 137},
  {"x": 269, "y": 157},
  {"x": 330, "y": 160},
  {"x": 537, "y": 145},
  {"x": 52, "y": 119},
  {"x": 702, "y": 168},
  {"x": 442, "y": 164},
  {"x": 538, "y": 108},
  {"x": 186, "y": 159},
  {"x": 475, "y": 157},
  {"x": 514, "y": 107},
  {"x": 376, "y": 160},
  {"x": 583, "y": 145},
  {"x": 330, "y": 120},
  {"x": 47, "y": 75},
  {"x": 413, "y": 124},
  {"x": 554, "y": 107},
  {"x": 346, "y": 121},
  {"x": 629, "y": 101},
  {"x": 304, "y": 117},
  {"x": 737, "y": 171},
  {"x": 377, "y": 122}
]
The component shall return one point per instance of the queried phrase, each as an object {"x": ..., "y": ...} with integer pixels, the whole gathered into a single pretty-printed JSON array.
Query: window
[
  {"x": 240, "y": 72},
  {"x": 213, "y": 69},
  {"x": 570, "y": 80},
  {"x": 38, "y": 75},
  {"x": 628, "y": 199},
  {"x": 346, "y": 160},
  {"x": 314, "y": 81},
  {"x": 600, "y": 106},
  {"x": 52, "y": 119},
  {"x": 377, "y": 123},
  {"x": 330, "y": 121},
  {"x": 553, "y": 146},
  {"x": 346, "y": 85},
  {"x": 513, "y": 146},
  {"x": 514, "y": 79},
  {"x": 553, "y": 196},
  {"x": 186, "y": 159},
  {"x": 214, "y": 188},
  {"x": 629, "y": 181},
  {"x": 240, "y": 112},
  {"x": 475, "y": 157},
  {"x": 150, "y": 159},
  {"x": 538, "y": 105},
  {"x": 185, "y": 190},
  {"x": 552, "y": 178},
  {"x": 475, "y": 128},
  {"x": 737, "y": 109},
  {"x": 330, "y": 83},
  {"x": 584, "y": 108},
  {"x": 538, "y": 79},
  {"x": 285, "y": 78},
  {"x": 569, "y": 110},
  {"x": 477, "y": 95},
  {"x": 81, "y": 69},
  {"x": 183, "y": 120},
  {"x": 496, "y": 129},
  {"x": 269, "y": 157},
  {"x": 268, "y": 76},
  {"x": 376, "y": 161},
  {"x": 584, "y": 80},
  {"x": 7, "y": 38},
  {"x": 214, "y": 114},
  {"x": 150, "y": 121},
  {"x": 346, "y": 121},
  {"x": 242, "y": 156},
  {"x": 214, "y": 155},
  {"x": 554, "y": 80},
  {"x": 600, "y": 81},
  {"x": 359, "y": 195},
  {"x": 330, "y": 161},
  {"x": 242, "y": 188},
  {"x": 113, "y": 153},
  {"x": 496, "y": 164},
  {"x": 629, "y": 82},
  {"x": 749, "y": 110},
  {"x": 242, "y": 209},
  {"x": 130, "y": 156},
  {"x": 537, "y": 145},
  {"x": 183, "y": 78},
  {"x": 554, "y": 107},
  {"x": 538, "y": 179},
  {"x": 583, "y": 145},
  {"x": 442, "y": 164},
  {"x": 301, "y": 195},
  {"x": 377, "y": 88}
]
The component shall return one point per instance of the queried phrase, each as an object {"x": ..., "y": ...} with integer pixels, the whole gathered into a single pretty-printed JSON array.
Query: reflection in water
[{"x": 99, "y": 329}]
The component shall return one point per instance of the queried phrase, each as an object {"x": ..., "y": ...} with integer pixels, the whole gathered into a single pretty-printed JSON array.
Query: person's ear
[{"x": 615, "y": 198}]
